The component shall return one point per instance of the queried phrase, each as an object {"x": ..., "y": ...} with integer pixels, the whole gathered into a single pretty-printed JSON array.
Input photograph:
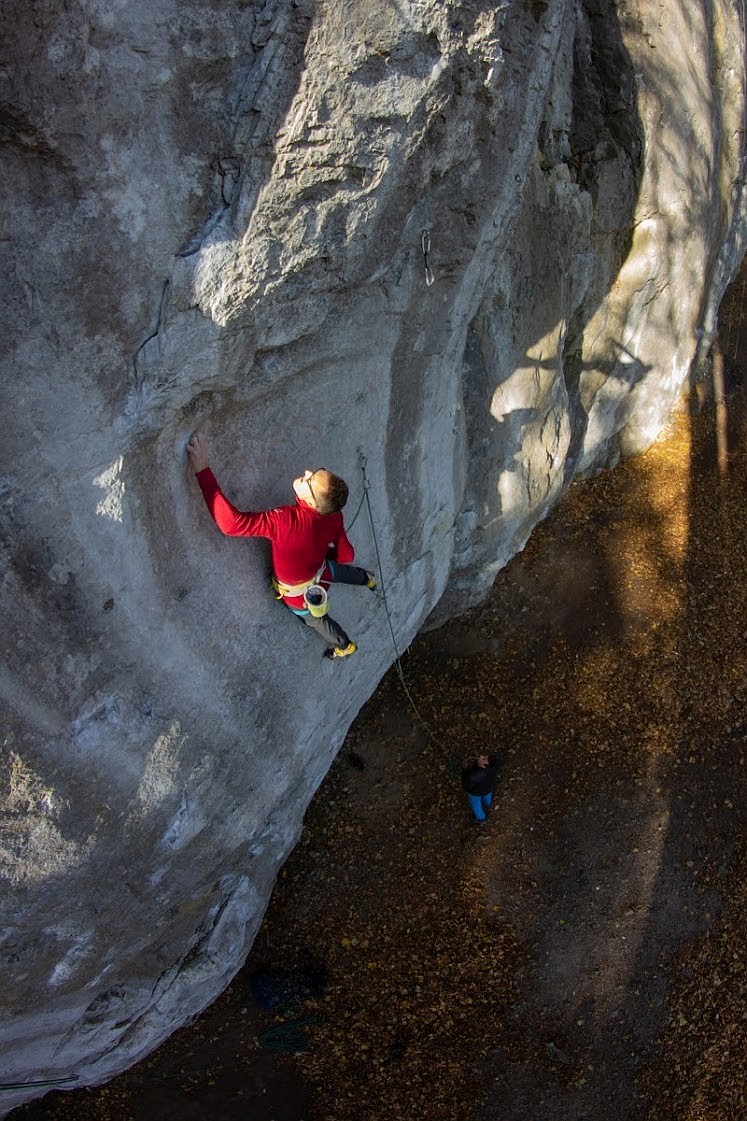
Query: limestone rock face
[{"x": 471, "y": 246}]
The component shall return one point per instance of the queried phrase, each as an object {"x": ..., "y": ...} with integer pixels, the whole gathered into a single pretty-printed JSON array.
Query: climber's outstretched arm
[{"x": 229, "y": 519}]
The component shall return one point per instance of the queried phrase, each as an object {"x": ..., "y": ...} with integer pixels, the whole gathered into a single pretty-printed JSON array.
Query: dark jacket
[{"x": 481, "y": 780}]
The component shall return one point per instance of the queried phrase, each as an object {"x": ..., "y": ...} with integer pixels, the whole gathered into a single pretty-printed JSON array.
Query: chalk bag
[{"x": 316, "y": 600}]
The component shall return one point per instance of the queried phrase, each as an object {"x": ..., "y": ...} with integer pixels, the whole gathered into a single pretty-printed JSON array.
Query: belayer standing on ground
[
  {"x": 307, "y": 540},
  {"x": 478, "y": 779}
]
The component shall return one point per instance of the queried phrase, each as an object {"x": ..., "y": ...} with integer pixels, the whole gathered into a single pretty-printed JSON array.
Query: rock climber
[
  {"x": 308, "y": 543},
  {"x": 478, "y": 779}
]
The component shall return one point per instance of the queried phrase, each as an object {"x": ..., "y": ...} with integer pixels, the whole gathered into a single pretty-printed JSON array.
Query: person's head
[
  {"x": 322, "y": 490},
  {"x": 482, "y": 761}
]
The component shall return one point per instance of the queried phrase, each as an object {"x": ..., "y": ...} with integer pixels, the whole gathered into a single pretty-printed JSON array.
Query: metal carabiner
[{"x": 425, "y": 246}]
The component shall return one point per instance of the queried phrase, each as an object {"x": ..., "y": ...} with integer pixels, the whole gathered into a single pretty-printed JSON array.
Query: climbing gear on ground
[
  {"x": 340, "y": 651},
  {"x": 290, "y": 590},
  {"x": 282, "y": 989},
  {"x": 425, "y": 245},
  {"x": 288, "y": 1036},
  {"x": 316, "y": 600},
  {"x": 371, "y": 581}
]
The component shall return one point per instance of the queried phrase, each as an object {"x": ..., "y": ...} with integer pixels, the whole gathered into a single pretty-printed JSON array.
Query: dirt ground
[{"x": 584, "y": 955}]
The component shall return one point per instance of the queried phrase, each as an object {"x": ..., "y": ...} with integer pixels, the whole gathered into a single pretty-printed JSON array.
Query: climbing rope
[
  {"x": 726, "y": 320},
  {"x": 382, "y": 588},
  {"x": 350, "y": 524},
  {"x": 740, "y": 305},
  {"x": 38, "y": 1082}
]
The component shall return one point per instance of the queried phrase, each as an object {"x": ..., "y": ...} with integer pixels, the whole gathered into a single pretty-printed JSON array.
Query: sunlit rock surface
[{"x": 229, "y": 216}]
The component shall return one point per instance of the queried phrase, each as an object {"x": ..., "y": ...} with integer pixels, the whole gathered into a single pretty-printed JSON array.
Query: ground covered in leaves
[{"x": 584, "y": 955}]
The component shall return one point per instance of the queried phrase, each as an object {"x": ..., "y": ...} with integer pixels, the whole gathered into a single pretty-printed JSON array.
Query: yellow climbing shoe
[{"x": 340, "y": 651}]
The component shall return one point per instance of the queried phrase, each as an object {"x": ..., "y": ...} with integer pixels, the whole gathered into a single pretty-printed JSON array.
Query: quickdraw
[{"x": 425, "y": 245}]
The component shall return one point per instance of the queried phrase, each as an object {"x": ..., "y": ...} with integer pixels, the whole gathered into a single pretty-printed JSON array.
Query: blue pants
[{"x": 479, "y": 804}]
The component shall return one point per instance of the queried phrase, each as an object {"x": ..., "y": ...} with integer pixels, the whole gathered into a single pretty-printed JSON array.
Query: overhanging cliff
[{"x": 217, "y": 216}]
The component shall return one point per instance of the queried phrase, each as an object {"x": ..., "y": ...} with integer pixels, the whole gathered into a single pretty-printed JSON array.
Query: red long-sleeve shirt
[{"x": 301, "y": 538}]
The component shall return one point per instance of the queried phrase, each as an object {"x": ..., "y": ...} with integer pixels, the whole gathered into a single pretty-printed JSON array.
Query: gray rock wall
[{"x": 214, "y": 216}]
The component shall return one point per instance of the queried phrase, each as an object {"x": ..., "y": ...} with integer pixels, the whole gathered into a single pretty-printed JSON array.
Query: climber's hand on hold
[{"x": 197, "y": 450}]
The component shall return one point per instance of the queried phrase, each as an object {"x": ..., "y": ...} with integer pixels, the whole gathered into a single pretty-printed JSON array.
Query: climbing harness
[
  {"x": 425, "y": 245},
  {"x": 382, "y": 595},
  {"x": 291, "y": 590}
]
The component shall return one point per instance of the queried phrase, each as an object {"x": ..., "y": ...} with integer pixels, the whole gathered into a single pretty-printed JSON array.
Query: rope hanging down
[
  {"x": 351, "y": 523},
  {"x": 382, "y": 585}
]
